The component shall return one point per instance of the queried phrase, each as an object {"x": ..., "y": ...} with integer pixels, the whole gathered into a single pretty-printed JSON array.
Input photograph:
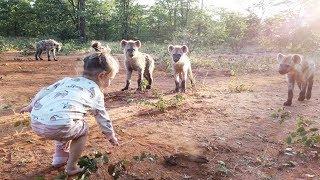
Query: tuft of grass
[
  {"x": 162, "y": 104},
  {"x": 236, "y": 86},
  {"x": 118, "y": 169},
  {"x": 304, "y": 133},
  {"x": 144, "y": 155},
  {"x": 281, "y": 114},
  {"x": 24, "y": 123},
  {"x": 222, "y": 169}
]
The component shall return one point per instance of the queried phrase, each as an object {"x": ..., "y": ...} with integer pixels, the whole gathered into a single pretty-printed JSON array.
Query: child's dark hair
[{"x": 99, "y": 62}]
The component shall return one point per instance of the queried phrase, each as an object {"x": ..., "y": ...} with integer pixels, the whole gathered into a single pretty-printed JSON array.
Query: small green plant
[
  {"x": 222, "y": 169},
  {"x": 39, "y": 178},
  {"x": 162, "y": 104},
  {"x": 144, "y": 84},
  {"x": 24, "y": 122},
  {"x": 235, "y": 86},
  {"x": 144, "y": 155},
  {"x": 118, "y": 169},
  {"x": 281, "y": 114},
  {"x": 304, "y": 133},
  {"x": 90, "y": 165},
  {"x": 5, "y": 106}
]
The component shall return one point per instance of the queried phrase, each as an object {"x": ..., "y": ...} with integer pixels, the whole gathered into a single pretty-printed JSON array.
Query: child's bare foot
[
  {"x": 60, "y": 158},
  {"x": 59, "y": 161},
  {"x": 74, "y": 170}
]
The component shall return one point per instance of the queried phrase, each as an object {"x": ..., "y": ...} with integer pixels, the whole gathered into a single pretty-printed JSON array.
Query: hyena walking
[
  {"x": 49, "y": 45},
  {"x": 137, "y": 61},
  {"x": 297, "y": 70},
  {"x": 181, "y": 66}
]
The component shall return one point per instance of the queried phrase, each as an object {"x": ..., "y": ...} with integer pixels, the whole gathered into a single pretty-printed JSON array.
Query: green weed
[
  {"x": 236, "y": 86},
  {"x": 162, "y": 104},
  {"x": 304, "y": 133},
  {"x": 281, "y": 114},
  {"x": 144, "y": 155}
]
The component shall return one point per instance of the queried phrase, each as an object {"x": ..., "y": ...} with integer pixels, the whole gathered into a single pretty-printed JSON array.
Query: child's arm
[
  {"x": 103, "y": 119},
  {"x": 105, "y": 124},
  {"x": 43, "y": 92}
]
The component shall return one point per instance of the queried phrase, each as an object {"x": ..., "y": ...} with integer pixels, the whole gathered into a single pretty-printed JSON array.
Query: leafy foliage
[
  {"x": 90, "y": 163},
  {"x": 162, "y": 104},
  {"x": 145, "y": 155},
  {"x": 281, "y": 114},
  {"x": 236, "y": 86},
  {"x": 118, "y": 169},
  {"x": 304, "y": 133}
]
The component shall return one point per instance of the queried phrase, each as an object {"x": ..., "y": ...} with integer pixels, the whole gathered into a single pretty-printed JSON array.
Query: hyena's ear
[
  {"x": 280, "y": 57},
  {"x": 138, "y": 43},
  {"x": 185, "y": 49},
  {"x": 296, "y": 59},
  {"x": 170, "y": 48},
  {"x": 123, "y": 43}
]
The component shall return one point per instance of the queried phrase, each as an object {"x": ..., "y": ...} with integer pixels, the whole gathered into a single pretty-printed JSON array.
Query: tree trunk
[
  {"x": 125, "y": 20},
  {"x": 82, "y": 20}
]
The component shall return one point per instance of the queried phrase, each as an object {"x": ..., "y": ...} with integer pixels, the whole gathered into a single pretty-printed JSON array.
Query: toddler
[{"x": 58, "y": 111}]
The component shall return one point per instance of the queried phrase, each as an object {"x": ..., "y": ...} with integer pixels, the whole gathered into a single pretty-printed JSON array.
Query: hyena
[
  {"x": 297, "y": 70},
  {"x": 49, "y": 45},
  {"x": 98, "y": 47},
  {"x": 137, "y": 61},
  {"x": 181, "y": 66}
]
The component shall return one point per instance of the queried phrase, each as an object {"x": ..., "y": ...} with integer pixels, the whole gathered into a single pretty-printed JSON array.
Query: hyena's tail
[{"x": 191, "y": 77}]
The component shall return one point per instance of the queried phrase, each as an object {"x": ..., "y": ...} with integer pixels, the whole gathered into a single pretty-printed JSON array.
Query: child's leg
[
  {"x": 76, "y": 148},
  {"x": 61, "y": 153}
]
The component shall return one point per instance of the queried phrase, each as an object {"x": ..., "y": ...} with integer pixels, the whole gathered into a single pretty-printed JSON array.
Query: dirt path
[{"x": 235, "y": 128}]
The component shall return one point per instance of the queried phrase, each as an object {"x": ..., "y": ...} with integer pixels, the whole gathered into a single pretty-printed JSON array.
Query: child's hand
[
  {"x": 26, "y": 109},
  {"x": 114, "y": 141}
]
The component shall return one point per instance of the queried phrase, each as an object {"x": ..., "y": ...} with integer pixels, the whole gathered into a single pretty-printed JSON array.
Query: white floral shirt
[{"x": 71, "y": 99}]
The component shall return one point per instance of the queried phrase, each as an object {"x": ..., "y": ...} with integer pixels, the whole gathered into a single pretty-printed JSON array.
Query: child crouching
[{"x": 58, "y": 111}]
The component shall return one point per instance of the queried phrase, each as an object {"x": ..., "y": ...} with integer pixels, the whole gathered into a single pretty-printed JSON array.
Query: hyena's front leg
[
  {"x": 310, "y": 84},
  {"x": 128, "y": 79},
  {"x": 299, "y": 85},
  {"x": 177, "y": 82},
  {"x": 140, "y": 79},
  {"x": 290, "y": 92},
  {"x": 183, "y": 77},
  {"x": 48, "y": 54},
  {"x": 54, "y": 54},
  {"x": 148, "y": 76},
  {"x": 38, "y": 54},
  {"x": 302, "y": 94}
]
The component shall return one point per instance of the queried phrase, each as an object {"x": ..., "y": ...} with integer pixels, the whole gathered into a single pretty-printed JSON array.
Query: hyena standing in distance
[
  {"x": 137, "y": 61},
  {"x": 297, "y": 70},
  {"x": 49, "y": 45},
  {"x": 181, "y": 66}
]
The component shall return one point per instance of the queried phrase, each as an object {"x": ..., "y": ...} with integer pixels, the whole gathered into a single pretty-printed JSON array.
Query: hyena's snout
[
  {"x": 176, "y": 57},
  {"x": 130, "y": 52},
  {"x": 284, "y": 68}
]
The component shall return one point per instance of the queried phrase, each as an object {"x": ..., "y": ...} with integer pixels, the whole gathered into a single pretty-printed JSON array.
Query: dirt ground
[{"x": 224, "y": 127}]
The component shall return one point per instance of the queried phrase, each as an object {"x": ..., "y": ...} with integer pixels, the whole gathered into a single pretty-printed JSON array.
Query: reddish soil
[{"x": 236, "y": 128}]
